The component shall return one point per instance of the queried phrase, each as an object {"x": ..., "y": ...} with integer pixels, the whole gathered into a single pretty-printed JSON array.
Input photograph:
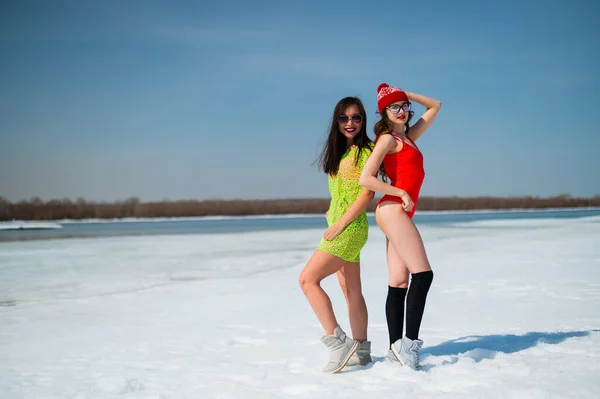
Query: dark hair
[
  {"x": 336, "y": 147},
  {"x": 386, "y": 126}
]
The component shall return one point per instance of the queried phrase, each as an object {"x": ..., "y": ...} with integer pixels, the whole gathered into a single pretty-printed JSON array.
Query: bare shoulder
[
  {"x": 386, "y": 142},
  {"x": 390, "y": 144}
]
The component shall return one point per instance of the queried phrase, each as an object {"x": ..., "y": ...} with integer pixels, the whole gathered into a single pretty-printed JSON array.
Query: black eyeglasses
[
  {"x": 343, "y": 119},
  {"x": 395, "y": 108}
]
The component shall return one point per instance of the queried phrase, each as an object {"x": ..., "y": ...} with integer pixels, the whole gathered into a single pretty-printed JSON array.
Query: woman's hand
[
  {"x": 407, "y": 202},
  {"x": 333, "y": 231},
  {"x": 433, "y": 107},
  {"x": 327, "y": 214}
]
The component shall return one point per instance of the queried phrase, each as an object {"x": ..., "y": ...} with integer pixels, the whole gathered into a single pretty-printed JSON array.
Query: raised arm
[{"x": 433, "y": 107}]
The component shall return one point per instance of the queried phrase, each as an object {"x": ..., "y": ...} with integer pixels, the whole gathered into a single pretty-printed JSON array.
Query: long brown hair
[
  {"x": 336, "y": 145},
  {"x": 386, "y": 126}
]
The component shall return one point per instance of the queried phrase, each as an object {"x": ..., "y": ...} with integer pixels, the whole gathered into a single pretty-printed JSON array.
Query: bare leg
[
  {"x": 403, "y": 236},
  {"x": 396, "y": 296},
  {"x": 349, "y": 278},
  {"x": 319, "y": 266},
  {"x": 398, "y": 272},
  {"x": 407, "y": 245}
]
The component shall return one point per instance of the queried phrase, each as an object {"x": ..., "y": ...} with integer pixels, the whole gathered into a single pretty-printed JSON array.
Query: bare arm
[
  {"x": 360, "y": 204},
  {"x": 368, "y": 177},
  {"x": 433, "y": 107}
]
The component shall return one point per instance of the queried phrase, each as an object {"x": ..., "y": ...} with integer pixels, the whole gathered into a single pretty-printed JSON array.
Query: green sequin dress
[{"x": 344, "y": 189}]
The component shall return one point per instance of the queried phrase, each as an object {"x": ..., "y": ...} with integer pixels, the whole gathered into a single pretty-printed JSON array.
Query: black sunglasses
[
  {"x": 395, "y": 108},
  {"x": 343, "y": 119}
]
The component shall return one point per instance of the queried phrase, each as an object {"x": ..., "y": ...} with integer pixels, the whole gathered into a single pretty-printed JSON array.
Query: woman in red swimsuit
[{"x": 397, "y": 157}]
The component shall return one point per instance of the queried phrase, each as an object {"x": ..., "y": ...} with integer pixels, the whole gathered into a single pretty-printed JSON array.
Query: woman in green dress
[{"x": 343, "y": 158}]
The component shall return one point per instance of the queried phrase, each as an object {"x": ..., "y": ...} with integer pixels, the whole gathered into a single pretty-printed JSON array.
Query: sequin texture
[{"x": 344, "y": 189}]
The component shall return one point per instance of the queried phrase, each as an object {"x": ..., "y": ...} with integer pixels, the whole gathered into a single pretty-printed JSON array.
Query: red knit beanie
[{"x": 387, "y": 95}]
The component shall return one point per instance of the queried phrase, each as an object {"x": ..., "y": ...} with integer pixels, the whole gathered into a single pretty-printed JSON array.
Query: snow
[
  {"x": 513, "y": 312},
  {"x": 20, "y": 225}
]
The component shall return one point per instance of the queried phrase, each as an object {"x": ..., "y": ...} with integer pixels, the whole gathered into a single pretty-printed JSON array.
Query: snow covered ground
[{"x": 514, "y": 312}]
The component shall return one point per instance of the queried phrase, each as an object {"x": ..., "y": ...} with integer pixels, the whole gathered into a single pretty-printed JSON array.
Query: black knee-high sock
[
  {"x": 415, "y": 302},
  {"x": 394, "y": 312}
]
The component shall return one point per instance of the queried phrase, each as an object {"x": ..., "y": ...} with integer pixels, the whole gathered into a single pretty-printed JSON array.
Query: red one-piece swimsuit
[{"x": 405, "y": 170}]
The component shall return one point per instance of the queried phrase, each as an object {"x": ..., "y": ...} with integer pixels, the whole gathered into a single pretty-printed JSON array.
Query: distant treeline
[{"x": 36, "y": 209}]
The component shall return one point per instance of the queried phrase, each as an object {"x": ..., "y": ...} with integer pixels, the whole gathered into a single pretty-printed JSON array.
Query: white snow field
[{"x": 513, "y": 312}]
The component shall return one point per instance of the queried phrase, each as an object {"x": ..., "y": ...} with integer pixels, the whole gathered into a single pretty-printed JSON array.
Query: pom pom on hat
[
  {"x": 387, "y": 95},
  {"x": 381, "y": 86}
]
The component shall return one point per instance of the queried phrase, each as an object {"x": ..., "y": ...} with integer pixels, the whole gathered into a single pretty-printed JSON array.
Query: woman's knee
[
  {"x": 354, "y": 293},
  {"x": 342, "y": 281},
  {"x": 398, "y": 283},
  {"x": 305, "y": 280}
]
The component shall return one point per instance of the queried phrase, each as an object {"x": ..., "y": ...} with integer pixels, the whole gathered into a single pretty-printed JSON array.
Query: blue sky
[{"x": 179, "y": 99}]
